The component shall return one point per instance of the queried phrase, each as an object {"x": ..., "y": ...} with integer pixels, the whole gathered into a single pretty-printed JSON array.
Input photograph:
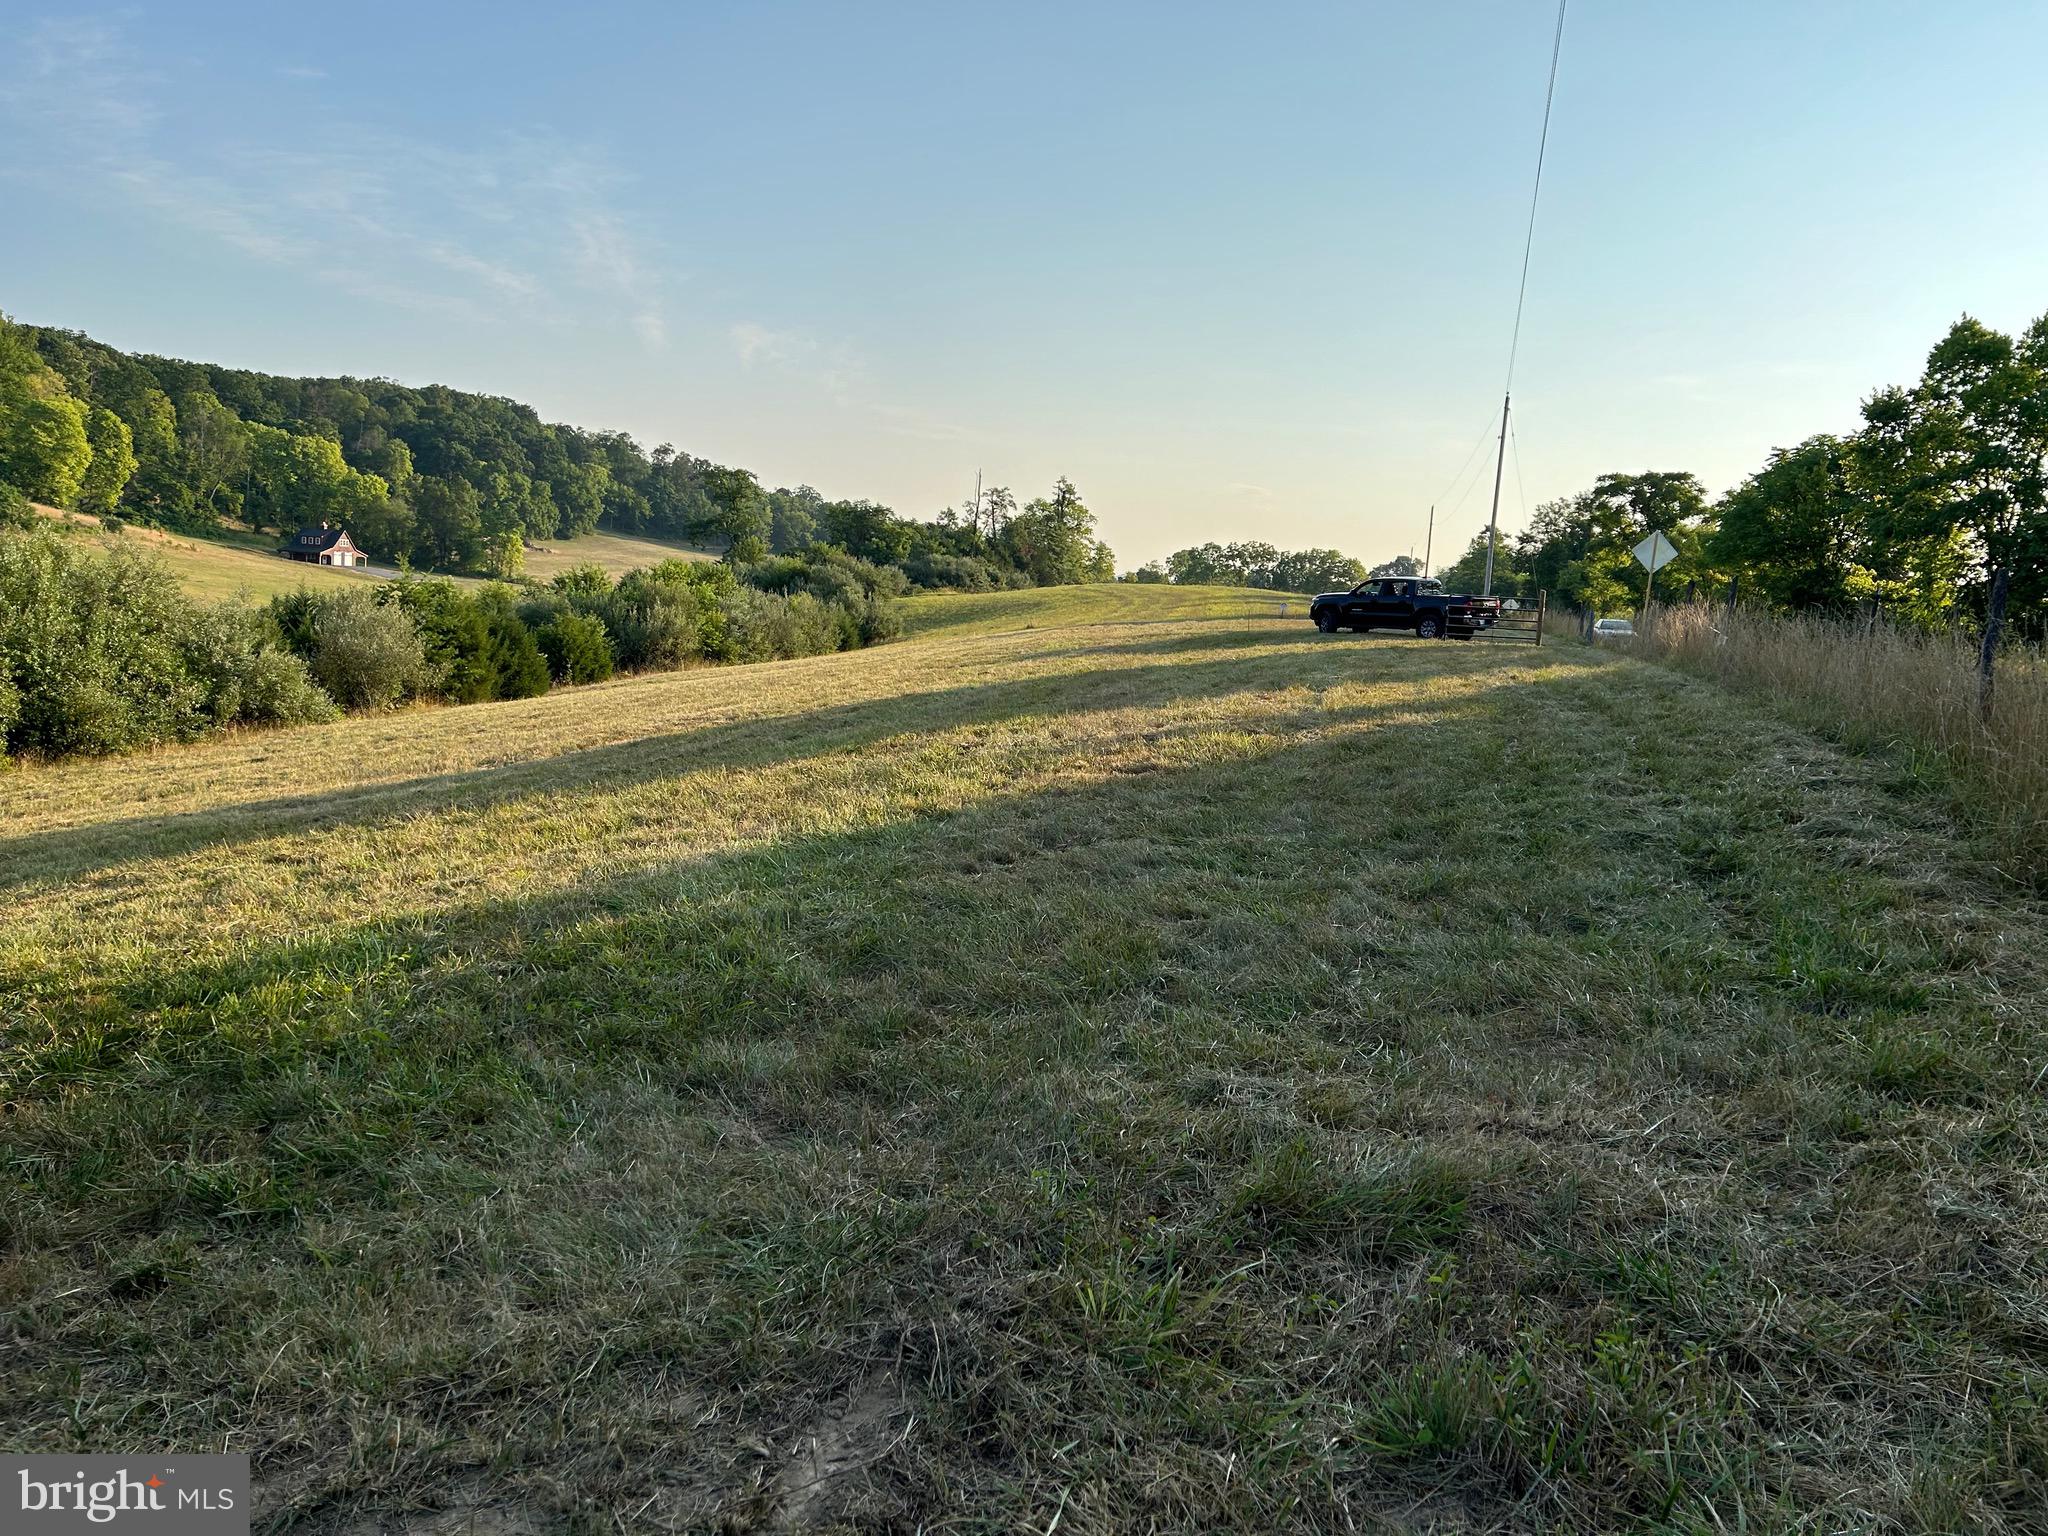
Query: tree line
[
  {"x": 1934, "y": 512},
  {"x": 1254, "y": 564},
  {"x": 447, "y": 480}
]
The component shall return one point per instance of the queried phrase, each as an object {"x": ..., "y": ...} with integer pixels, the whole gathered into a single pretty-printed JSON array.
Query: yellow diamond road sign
[{"x": 1655, "y": 552}]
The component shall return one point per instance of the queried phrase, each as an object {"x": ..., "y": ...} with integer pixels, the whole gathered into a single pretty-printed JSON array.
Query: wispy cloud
[
  {"x": 77, "y": 80},
  {"x": 834, "y": 368},
  {"x": 515, "y": 224},
  {"x": 837, "y": 371}
]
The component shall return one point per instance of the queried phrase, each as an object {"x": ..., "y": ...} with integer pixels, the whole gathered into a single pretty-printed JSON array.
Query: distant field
[
  {"x": 616, "y": 552},
  {"x": 1104, "y": 603},
  {"x": 240, "y": 562},
  {"x": 1118, "y": 1075},
  {"x": 213, "y": 570}
]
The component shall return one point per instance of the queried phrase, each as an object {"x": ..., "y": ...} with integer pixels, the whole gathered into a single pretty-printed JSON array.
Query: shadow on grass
[
  {"x": 1004, "y": 1075},
  {"x": 1263, "y": 809},
  {"x": 66, "y": 853}
]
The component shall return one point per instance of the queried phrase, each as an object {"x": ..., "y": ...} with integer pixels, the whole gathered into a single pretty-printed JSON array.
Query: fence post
[
  {"x": 1542, "y": 607},
  {"x": 1994, "y": 621}
]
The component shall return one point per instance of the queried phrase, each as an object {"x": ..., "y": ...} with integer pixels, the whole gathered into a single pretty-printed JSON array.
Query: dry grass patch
[{"x": 1910, "y": 696}]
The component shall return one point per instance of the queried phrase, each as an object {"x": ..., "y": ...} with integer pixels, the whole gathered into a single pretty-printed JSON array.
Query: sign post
[{"x": 1653, "y": 554}]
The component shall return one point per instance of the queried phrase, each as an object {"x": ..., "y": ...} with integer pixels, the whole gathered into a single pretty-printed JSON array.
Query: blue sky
[{"x": 1239, "y": 271}]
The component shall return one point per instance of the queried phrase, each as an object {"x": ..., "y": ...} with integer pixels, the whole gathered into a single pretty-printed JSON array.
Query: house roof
[{"x": 313, "y": 541}]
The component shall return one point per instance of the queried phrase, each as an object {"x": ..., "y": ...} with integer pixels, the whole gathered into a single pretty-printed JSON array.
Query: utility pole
[
  {"x": 1493, "y": 519},
  {"x": 1429, "y": 539},
  {"x": 977, "y": 499}
]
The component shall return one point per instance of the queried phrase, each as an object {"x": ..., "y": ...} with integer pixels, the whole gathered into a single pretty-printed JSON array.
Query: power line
[
  {"x": 1485, "y": 430},
  {"x": 1515, "y": 451},
  {"x": 1521, "y": 294},
  {"x": 1536, "y": 191}
]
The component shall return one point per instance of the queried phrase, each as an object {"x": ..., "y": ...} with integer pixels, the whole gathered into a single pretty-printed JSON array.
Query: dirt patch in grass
[{"x": 835, "y": 1454}]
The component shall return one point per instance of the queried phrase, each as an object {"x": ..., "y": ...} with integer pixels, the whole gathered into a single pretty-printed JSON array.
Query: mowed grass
[
  {"x": 213, "y": 570},
  {"x": 618, "y": 553},
  {"x": 243, "y": 564},
  {"x": 1161, "y": 1076},
  {"x": 1102, "y": 603}
]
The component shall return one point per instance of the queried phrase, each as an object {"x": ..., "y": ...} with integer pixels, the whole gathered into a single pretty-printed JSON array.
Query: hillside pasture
[
  {"x": 617, "y": 553},
  {"x": 212, "y": 570},
  {"x": 1186, "y": 1073}
]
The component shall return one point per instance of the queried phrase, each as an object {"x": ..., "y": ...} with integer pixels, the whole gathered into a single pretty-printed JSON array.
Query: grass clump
[{"x": 1408, "y": 1207}]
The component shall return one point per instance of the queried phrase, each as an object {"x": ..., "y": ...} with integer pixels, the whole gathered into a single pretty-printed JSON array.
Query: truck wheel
[
  {"x": 1326, "y": 622},
  {"x": 1429, "y": 627}
]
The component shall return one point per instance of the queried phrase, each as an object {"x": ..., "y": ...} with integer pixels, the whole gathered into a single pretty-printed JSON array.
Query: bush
[
  {"x": 577, "y": 648},
  {"x": 10, "y": 702},
  {"x": 667, "y": 615},
  {"x": 278, "y": 689},
  {"x": 763, "y": 627},
  {"x": 878, "y": 621},
  {"x": 94, "y": 647},
  {"x": 248, "y": 681},
  {"x": 456, "y": 635},
  {"x": 828, "y": 573},
  {"x": 518, "y": 669},
  {"x": 583, "y": 581},
  {"x": 366, "y": 655},
  {"x": 15, "y": 511},
  {"x": 104, "y": 653},
  {"x": 936, "y": 570}
]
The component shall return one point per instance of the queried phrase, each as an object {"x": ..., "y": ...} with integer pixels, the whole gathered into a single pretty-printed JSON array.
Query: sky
[{"x": 1240, "y": 272}]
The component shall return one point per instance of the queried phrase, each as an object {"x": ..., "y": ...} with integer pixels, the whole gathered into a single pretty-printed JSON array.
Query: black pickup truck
[{"x": 1413, "y": 603}]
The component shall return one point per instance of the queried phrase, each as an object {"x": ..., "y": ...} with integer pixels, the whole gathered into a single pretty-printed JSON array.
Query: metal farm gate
[{"x": 1520, "y": 625}]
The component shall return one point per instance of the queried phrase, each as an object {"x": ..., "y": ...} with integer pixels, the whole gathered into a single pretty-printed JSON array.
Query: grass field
[
  {"x": 240, "y": 563},
  {"x": 213, "y": 570},
  {"x": 616, "y": 552},
  {"x": 1056, "y": 607},
  {"x": 1194, "y": 1075}
]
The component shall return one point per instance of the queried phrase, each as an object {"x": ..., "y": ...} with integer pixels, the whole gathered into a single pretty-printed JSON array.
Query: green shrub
[
  {"x": 15, "y": 511},
  {"x": 455, "y": 632},
  {"x": 583, "y": 581},
  {"x": 366, "y": 655},
  {"x": 95, "y": 648},
  {"x": 102, "y": 653},
  {"x": 518, "y": 669},
  {"x": 878, "y": 621},
  {"x": 278, "y": 689},
  {"x": 577, "y": 648},
  {"x": 938, "y": 571},
  {"x": 10, "y": 702},
  {"x": 667, "y": 615},
  {"x": 827, "y": 573}
]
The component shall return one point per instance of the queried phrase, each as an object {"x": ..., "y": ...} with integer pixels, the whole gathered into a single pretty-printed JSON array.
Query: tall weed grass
[{"x": 1906, "y": 694}]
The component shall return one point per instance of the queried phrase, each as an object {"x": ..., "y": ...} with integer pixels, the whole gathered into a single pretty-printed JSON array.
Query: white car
[{"x": 1613, "y": 629}]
